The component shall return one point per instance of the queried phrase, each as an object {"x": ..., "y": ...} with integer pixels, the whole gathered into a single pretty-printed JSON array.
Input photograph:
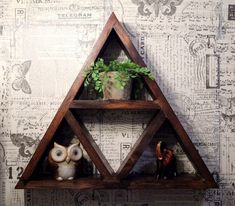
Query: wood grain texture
[
  {"x": 141, "y": 143},
  {"x": 77, "y": 84},
  {"x": 183, "y": 182},
  {"x": 157, "y": 94},
  {"x": 112, "y": 180},
  {"x": 90, "y": 146},
  {"x": 114, "y": 104},
  {"x": 182, "y": 136}
]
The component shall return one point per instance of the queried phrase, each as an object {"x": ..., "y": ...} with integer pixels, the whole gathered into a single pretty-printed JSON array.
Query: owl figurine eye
[
  {"x": 58, "y": 153},
  {"x": 75, "y": 152}
]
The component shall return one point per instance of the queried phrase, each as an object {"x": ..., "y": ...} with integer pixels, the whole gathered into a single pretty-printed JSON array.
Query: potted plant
[{"x": 113, "y": 80}]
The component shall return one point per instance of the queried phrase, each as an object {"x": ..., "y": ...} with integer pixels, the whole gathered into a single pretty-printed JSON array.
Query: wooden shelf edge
[
  {"x": 114, "y": 104},
  {"x": 94, "y": 183}
]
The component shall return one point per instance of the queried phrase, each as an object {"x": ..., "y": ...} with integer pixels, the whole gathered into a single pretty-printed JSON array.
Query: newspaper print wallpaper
[{"x": 190, "y": 47}]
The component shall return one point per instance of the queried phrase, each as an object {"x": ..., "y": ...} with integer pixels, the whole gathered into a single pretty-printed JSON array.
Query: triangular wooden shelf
[{"x": 110, "y": 179}]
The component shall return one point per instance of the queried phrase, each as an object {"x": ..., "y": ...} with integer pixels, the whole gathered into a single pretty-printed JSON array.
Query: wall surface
[{"x": 190, "y": 48}]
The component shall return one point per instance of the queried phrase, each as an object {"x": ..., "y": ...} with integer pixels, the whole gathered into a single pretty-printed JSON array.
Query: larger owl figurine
[{"x": 64, "y": 160}]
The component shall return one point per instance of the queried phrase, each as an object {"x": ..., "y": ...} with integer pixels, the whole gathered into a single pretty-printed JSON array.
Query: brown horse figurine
[{"x": 166, "y": 162}]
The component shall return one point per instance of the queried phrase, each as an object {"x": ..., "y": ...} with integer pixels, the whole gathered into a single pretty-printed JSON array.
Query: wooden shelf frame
[
  {"x": 114, "y": 104},
  {"x": 138, "y": 183},
  {"x": 109, "y": 178},
  {"x": 90, "y": 146}
]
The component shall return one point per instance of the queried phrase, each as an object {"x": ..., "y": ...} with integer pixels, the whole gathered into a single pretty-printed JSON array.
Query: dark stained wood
[
  {"x": 114, "y": 104},
  {"x": 96, "y": 155},
  {"x": 182, "y": 136},
  {"x": 156, "y": 93},
  {"x": 90, "y": 146},
  {"x": 77, "y": 84},
  {"x": 140, "y": 145},
  {"x": 182, "y": 182},
  {"x": 171, "y": 184}
]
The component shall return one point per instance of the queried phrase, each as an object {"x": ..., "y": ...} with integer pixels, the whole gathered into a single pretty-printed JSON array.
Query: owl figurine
[{"x": 64, "y": 160}]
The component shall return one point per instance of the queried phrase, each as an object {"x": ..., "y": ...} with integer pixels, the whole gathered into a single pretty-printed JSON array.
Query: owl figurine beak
[{"x": 67, "y": 159}]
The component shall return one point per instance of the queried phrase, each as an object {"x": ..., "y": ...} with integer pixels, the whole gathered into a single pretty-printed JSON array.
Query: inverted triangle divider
[{"x": 90, "y": 146}]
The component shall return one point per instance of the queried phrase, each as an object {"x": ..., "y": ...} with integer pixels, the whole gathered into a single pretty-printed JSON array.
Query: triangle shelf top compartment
[{"x": 97, "y": 172}]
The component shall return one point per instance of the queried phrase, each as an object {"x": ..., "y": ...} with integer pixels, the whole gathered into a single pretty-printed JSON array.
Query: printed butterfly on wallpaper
[{"x": 20, "y": 83}]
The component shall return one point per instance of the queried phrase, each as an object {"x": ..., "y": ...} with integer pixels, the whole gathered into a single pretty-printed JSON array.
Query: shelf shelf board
[
  {"x": 182, "y": 182},
  {"x": 114, "y": 104}
]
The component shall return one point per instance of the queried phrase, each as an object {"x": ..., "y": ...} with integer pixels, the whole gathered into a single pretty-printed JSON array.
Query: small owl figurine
[{"x": 64, "y": 160}]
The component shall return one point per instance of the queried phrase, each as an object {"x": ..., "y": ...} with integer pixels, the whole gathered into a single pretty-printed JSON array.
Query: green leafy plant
[{"x": 97, "y": 78}]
